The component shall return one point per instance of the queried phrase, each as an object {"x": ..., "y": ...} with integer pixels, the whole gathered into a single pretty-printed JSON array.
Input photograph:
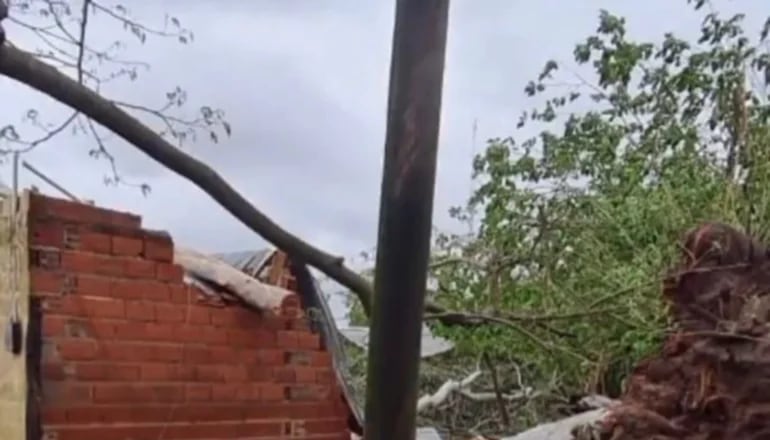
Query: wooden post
[{"x": 406, "y": 211}]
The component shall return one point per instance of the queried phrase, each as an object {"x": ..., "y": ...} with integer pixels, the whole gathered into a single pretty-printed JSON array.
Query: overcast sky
[{"x": 304, "y": 85}]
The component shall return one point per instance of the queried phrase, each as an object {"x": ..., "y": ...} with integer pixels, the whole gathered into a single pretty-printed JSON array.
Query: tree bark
[{"x": 26, "y": 69}]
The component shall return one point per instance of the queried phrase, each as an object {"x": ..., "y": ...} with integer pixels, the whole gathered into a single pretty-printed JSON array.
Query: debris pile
[{"x": 711, "y": 379}]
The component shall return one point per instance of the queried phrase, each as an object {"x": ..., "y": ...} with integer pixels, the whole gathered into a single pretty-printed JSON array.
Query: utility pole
[{"x": 406, "y": 211}]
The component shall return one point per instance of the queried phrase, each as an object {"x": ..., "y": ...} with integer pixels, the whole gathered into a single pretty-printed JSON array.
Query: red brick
[
  {"x": 198, "y": 315},
  {"x": 189, "y": 333},
  {"x": 291, "y": 307},
  {"x": 198, "y": 393},
  {"x": 299, "y": 324},
  {"x": 309, "y": 341},
  {"x": 46, "y": 233},
  {"x": 227, "y": 355},
  {"x": 138, "y": 393},
  {"x": 167, "y": 353},
  {"x": 202, "y": 431},
  {"x": 49, "y": 207},
  {"x": 84, "y": 432},
  {"x": 72, "y": 393},
  {"x": 213, "y": 335},
  {"x": 284, "y": 375},
  {"x": 136, "y": 268},
  {"x": 145, "y": 331},
  {"x": 270, "y": 392},
  {"x": 240, "y": 338},
  {"x": 106, "y": 372},
  {"x": 262, "y": 411},
  {"x": 270, "y": 357},
  {"x": 321, "y": 359},
  {"x": 53, "y": 416},
  {"x": 170, "y": 313},
  {"x": 159, "y": 372},
  {"x": 141, "y": 289},
  {"x": 92, "y": 263},
  {"x": 309, "y": 411},
  {"x": 53, "y": 325},
  {"x": 256, "y": 429},
  {"x": 305, "y": 374},
  {"x": 142, "y": 352},
  {"x": 46, "y": 281},
  {"x": 93, "y": 328},
  {"x": 236, "y": 373},
  {"x": 159, "y": 248},
  {"x": 45, "y": 258},
  {"x": 222, "y": 317},
  {"x": 209, "y": 413},
  {"x": 127, "y": 246},
  {"x": 92, "y": 285},
  {"x": 170, "y": 272},
  {"x": 324, "y": 376},
  {"x": 140, "y": 311},
  {"x": 260, "y": 373},
  {"x": 307, "y": 393},
  {"x": 62, "y": 306},
  {"x": 181, "y": 293},
  {"x": 287, "y": 339},
  {"x": 102, "y": 307},
  {"x": 88, "y": 241},
  {"x": 197, "y": 354},
  {"x": 53, "y": 371},
  {"x": 329, "y": 426},
  {"x": 248, "y": 356},
  {"x": 77, "y": 349},
  {"x": 225, "y": 392},
  {"x": 209, "y": 373},
  {"x": 90, "y": 414}
]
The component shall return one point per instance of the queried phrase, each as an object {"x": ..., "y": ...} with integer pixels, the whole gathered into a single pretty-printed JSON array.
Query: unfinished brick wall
[{"x": 131, "y": 352}]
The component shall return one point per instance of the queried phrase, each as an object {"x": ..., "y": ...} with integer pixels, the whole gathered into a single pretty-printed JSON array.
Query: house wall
[
  {"x": 13, "y": 389},
  {"x": 128, "y": 351}
]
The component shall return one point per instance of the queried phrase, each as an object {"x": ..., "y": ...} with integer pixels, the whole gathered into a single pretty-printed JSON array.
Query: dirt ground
[{"x": 711, "y": 380}]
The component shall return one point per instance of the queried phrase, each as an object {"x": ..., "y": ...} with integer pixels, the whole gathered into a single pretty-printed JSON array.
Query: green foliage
[{"x": 579, "y": 221}]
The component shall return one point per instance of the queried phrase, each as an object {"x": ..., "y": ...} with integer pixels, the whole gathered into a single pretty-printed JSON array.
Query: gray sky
[{"x": 304, "y": 85}]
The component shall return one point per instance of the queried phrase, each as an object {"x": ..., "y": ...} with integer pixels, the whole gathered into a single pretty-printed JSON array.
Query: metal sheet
[{"x": 431, "y": 345}]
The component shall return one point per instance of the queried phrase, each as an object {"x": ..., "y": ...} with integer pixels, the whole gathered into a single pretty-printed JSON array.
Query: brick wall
[
  {"x": 128, "y": 351},
  {"x": 13, "y": 390}
]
